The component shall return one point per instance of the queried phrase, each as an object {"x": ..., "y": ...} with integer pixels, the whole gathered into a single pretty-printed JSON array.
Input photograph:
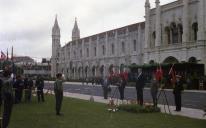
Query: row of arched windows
[
  {"x": 103, "y": 50},
  {"x": 173, "y": 34}
]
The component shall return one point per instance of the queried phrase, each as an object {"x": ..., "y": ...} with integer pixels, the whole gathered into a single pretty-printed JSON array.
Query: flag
[
  {"x": 172, "y": 73},
  {"x": 7, "y": 55},
  {"x": 3, "y": 56}
]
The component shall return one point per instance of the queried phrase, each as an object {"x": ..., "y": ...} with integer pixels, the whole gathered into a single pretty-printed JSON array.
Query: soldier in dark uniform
[
  {"x": 140, "y": 83},
  {"x": 30, "y": 87},
  {"x": 26, "y": 85},
  {"x": 40, "y": 86},
  {"x": 177, "y": 92},
  {"x": 121, "y": 87},
  {"x": 58, "y": 90},
  {"x": 18, "y": 85},
  {"x": 7, "y": 96}
]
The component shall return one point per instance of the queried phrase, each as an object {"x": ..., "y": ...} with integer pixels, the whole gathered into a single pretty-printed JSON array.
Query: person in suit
[
  {"x": 18, "y": 85},
  {"x": 7, "y": 96},
  {"x": 177, "y": 91},
  {"x": 58, "y": 91},
  {"x": 40, "y": 86},
  {"x": 140, "y": 83}
]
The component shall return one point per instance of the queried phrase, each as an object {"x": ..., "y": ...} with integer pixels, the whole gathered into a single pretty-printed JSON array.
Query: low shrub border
[{"x": 134, "y": 108}]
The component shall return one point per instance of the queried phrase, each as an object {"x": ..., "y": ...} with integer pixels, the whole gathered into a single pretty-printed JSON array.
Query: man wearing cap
[
  {"x": 177, "y": 93},
  {"x": 7, "y": 96},
  {"x": 58, "y": 90}
]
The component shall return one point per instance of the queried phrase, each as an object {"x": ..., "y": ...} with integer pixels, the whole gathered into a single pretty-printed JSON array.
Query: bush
[{"x": 134, "y": 108}]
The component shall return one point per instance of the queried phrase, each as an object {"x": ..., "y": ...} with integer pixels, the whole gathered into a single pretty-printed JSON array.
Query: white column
[
  {"x": 201, "y": 20},
  {"x": 106, "y": 46},
  {"x": 97, "y": 47},
  {"x": 139, "y": 46},
  {"x": 185, "y": 20},
  {"x": 147, "y": 24},
  {"x": 158, "y": 24}
]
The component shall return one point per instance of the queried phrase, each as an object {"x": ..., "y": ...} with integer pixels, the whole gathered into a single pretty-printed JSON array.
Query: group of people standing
[
  {"x": 140, "y": 82},
  {"x": 13, "y": 89}
]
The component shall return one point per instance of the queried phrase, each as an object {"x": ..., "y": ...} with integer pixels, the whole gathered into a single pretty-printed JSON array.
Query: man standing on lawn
[
  {"x": 140, "y": 83},
  {"x": 7, "y": 96},
  {"x": 58, "y": 91},
  {"x": 40, "y": 87}
]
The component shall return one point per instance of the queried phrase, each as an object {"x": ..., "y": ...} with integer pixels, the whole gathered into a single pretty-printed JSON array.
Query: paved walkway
[{"x": 187, "y": 112}]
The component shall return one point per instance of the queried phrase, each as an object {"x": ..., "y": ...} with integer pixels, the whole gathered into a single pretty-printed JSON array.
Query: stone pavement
[{"x": 187, "y": 112}]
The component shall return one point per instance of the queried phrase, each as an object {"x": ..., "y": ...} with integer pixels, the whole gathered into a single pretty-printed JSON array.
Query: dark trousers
[
  {"x": 105, "y": 92},
  {"x": 40, "y": 95},
  {"x": 59, "y": 98},
  {"x": 8, "y": 103},
  {"x": 18, "y": 96},
  {"x": 121, "y": 92},
  {"x": 178, "y": 101},
  {"x": 27, "y": 95},
  {"x": 154, "y": 98},
  {"x": 140, "y": 96}
]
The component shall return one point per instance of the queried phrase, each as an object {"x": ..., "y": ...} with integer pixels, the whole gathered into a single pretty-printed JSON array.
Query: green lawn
[{"x": 84, "y": 114}]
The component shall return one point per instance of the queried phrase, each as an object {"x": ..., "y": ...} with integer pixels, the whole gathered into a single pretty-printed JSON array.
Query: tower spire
[
  {"x": 56, "y": 29},
  {"x": 147, "y": 3},
  {"x": 75, "y": 31}
]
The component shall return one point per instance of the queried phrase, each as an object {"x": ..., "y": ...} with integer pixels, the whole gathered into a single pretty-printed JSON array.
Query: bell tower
[{"x": 55, "y": 48}]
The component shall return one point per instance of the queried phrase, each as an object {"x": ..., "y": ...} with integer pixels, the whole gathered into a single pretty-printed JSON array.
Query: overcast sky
[{"x": 27, "y": 24}]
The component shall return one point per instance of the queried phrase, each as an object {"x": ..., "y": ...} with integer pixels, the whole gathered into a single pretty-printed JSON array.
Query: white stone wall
[{"x": 182, "y": 13}]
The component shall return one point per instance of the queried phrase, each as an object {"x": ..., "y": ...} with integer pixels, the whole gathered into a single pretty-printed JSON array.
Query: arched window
[
  {"x": 87, "y": 52},
  {"x": 174, "y": 31},
  {"x": 103, "y": 50},
  {"x": 95, "y": 51},
  {"x": 112, "y": 49},
  {"x": 180, "y": 32},
  {"x": 123, "y": 47},
  {"x": 80, "y": 53},
  {"x": 192, "y": 60},
  {"x": 74, "y": 54},
  {"x": 171, "y": 60},
  {"x": 135, "y": 45},
  {"x": 93, "y": 71},
  {"x": 195, "y": 30},
  {"x": 153, "y": 39},
  {"x": 167, "y": 35}
]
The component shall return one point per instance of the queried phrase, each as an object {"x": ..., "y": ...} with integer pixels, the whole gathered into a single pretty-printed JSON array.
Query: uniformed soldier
[
  {"x": 26, "y": 91},
  {"x": 19, "y": 86},
  {"x": 140, "y": 83},
  {"x": 30, "y": 87},
  {"x": 177, "y": 92},
  {"x": 40, "y": 86},
  {"x": 58, "y": 90},
  {"x": 121, "y": 87},
  {"x": 7, "y": 96}
]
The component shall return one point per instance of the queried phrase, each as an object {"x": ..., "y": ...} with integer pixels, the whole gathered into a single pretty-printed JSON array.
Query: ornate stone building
[{"x": 175, "y": 32}]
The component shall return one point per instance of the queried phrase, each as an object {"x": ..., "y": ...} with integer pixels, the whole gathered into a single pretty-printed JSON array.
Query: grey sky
[{"x": 27, "y": 24}]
